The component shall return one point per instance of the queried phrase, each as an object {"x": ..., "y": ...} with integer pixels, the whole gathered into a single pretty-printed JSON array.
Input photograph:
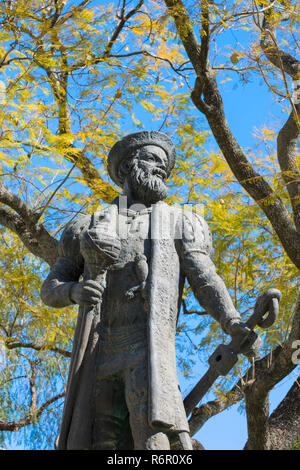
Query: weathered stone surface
[{"x": 125, "y": 266}]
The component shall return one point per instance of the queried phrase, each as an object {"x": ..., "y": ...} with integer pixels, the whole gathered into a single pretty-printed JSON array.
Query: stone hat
[{"x": 124, "y": 147}]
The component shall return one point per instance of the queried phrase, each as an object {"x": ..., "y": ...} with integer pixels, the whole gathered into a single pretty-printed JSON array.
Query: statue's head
[{"x": 141, "y": 163}]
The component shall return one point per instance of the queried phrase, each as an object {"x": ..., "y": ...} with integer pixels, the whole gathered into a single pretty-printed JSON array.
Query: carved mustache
[{"x": 149, "y": 182}]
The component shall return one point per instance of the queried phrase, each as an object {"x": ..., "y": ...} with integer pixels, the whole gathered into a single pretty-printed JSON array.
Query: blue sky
[{"x": 247, "y": 107}]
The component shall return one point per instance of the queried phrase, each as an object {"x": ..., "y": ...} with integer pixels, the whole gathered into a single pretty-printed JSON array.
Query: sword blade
[{"x": 200, "y": 389}]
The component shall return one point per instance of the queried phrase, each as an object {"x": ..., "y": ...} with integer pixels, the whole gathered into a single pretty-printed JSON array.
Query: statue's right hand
[{"x": 87, "y": 292}]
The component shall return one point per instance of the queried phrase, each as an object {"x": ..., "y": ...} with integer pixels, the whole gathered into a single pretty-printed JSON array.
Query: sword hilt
[
  {"x": 226, "y": 355},
  {"x": 266, "y": 302}
]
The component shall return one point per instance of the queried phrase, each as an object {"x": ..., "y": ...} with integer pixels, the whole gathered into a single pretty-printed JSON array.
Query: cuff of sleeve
[{"x": 227, "y": 324}]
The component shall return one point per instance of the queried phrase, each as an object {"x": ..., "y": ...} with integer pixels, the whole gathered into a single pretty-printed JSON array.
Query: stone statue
[{"x": 125, "y": 267}]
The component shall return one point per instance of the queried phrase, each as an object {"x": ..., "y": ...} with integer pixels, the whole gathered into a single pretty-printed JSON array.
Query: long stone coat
[{"x": 180, "y": 248}]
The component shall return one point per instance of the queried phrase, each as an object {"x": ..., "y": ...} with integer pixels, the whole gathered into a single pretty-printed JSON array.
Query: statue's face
[
  {"x": 154, "y": 160},
  {"x": 148, "y": 174}
]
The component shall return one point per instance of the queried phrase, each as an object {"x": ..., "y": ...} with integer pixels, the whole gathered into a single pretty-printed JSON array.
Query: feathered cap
[{"x": 124, "y": 147}]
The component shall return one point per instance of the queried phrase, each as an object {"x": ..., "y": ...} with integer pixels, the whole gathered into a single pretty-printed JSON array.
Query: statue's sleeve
[
  {"x": 194, "y": 248},
  {"x": 68, "y": 268}
]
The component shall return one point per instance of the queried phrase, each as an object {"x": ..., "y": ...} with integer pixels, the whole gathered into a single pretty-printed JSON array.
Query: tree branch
[
  {"x": 58, "y": 82},
  {"x": 267, "y": 375},
  {"x": 104, "y": 191},
  {"x": 61, "y": 20},
  {"x": 189, "y": 312},
  {"x": 34, "y": 412},
  {"x": 206, "y": 411},
  {"x": 32, "y": 386},
  {"x": 186, "y": 32},
  {"x": 12, "y": 344},
  {"x": 257, "y": 409},
  {"x": 13, "y": 201},
  {"x": 30, "y": 418},
  {"x": 255, "y": 385},
  {"x": 287, "y": 157},
  {"x": 289, "y": 133},
  {"x": 112, "y": 40},
  {"x": 101, "y": 189},
  {"x": 205, "y": 33},
  {"x": 284, "y": 422},
  {"x": 123, "y": 19}
]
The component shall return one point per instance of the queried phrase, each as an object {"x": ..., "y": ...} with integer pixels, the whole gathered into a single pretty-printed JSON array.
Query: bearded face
[{"x": 148, "y": 174}]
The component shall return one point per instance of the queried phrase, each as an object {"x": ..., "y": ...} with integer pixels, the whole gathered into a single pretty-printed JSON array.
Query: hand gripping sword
[{"x": 226, "y": 355}]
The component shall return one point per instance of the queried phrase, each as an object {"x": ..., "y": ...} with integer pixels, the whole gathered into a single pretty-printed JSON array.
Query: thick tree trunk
[{"x": 284, "y": 422}]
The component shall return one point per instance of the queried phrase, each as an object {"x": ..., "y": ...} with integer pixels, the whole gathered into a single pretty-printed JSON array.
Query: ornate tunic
[
  {"x": 123, "y": 325},
  {"x": 175, "y": 250}
]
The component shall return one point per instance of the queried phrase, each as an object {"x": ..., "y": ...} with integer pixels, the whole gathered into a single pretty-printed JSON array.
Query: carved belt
[{"x": 115, "y": 340}]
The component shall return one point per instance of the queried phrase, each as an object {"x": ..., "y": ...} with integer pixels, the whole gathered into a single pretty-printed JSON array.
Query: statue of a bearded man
[{"x": 125, "y": 266}]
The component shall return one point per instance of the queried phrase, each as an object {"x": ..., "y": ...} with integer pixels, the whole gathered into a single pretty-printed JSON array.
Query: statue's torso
[{"x": 122, "y": 329}]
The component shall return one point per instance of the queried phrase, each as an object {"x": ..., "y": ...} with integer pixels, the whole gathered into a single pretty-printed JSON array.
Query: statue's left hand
[
  {"x": 240, "y": 330},
  {"x": 87, "y": 292}
]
